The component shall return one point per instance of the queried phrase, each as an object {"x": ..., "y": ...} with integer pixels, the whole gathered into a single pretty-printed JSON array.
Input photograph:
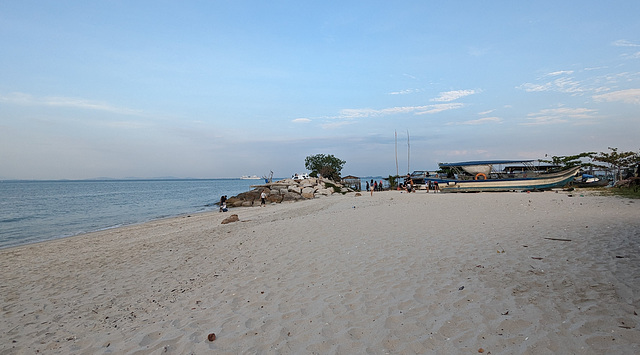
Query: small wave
[{"x": 14, "y": 219}]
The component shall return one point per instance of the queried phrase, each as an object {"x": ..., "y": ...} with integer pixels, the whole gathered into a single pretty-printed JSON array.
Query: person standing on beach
[{"x": 263, "y": 199}]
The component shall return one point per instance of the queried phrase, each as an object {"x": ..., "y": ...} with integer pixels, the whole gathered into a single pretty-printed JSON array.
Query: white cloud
[
  {"x": 560, "y": 115},
  {"x": 529, "y": 87},
  {"x": 431, "y": 109},
  {"x": 635, "y": 55},
  {"x": 405, "y": 92},
  {"x": 630, "y": 96},
  {"x": 416, "y": 110},
  {"x": 560, "y": 72},
  {"x": 72, "y": 102},
  {"x": 624, "y": 43},
  {"x": 453, "y": 95},
  {"x": 301, "y": 120},
  {"x": 480, "y": 121},
  {"x": 564, "y": 84},
  {"x": 336, "y": 124}
]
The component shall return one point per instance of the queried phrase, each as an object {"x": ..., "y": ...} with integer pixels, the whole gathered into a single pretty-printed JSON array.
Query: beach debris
[
  {"x": 212, "y": 337},
  {"x": 461, "y": 288},
  {"x": 536, "y": 257},
  {"x": 619, "y": 256},
  {"x": 481, "y": 350},
  {"x": 505, "y": 313},
  {"x": 230, "y": 219},
  {"x": 559, "y": 239}
]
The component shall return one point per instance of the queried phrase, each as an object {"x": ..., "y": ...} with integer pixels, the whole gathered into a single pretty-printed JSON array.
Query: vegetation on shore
[
  {"x": 613, "y": 161},
  {"x": 327, "y": 166}
]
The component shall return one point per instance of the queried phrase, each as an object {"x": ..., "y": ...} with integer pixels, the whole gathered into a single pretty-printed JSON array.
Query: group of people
[
  {"x": 409, "y": 185},
  {"x": 374, "y": 186}
]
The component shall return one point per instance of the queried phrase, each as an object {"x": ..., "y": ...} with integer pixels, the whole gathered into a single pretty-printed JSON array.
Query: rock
[
  {"x": 230, "y": 219},
  {"x": 294, "y": 188},
  {"x": 291, "y": 196},
  {"x": 286, "y": 190}
]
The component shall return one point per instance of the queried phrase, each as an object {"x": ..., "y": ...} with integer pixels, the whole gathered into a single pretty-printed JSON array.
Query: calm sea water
[{"x": 34, "y": 211}]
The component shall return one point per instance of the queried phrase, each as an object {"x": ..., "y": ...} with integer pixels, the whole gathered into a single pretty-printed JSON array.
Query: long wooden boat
[{"x": 481, "y": 176}]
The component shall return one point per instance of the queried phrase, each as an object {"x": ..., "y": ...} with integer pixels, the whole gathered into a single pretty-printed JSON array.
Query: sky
[{"x": 220, "y": 89}]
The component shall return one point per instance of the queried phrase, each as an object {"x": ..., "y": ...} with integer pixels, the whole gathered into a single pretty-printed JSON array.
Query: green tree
[
  {"x": 326, "y": 165},
  {"x": 570, "y": 160},
  {"x": 618, "y": 160}
]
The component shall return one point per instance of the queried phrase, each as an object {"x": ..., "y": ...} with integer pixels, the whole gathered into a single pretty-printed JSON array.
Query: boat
[
  {"x": 302, "y": 176},
  {"x": 476, "y": 176},
  {"x": 252, "y": 177},
  {"x": 588, "y": 180}
]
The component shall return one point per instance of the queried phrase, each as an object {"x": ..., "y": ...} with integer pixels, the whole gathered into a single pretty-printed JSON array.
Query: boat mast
[
  {"x": 396, "y": 133},
  {"x": 408, "y": 154}
]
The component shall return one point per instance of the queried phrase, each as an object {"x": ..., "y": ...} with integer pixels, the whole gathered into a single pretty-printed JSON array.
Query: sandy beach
[{"x": 392, "y": 273}]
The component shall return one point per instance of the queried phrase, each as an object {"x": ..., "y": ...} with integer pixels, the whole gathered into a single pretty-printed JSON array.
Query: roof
[
  {"x": 484, "y": 162},
  {"x": 350, "y": 177}
]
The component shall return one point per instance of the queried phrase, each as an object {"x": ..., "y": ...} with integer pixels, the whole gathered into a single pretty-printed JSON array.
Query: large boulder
[
  {"x": 291, "y": 196},
  {"x": 308, "y": 195},
  {"x": 325, "y": 192},
  {"x": 294, "y": 188}
]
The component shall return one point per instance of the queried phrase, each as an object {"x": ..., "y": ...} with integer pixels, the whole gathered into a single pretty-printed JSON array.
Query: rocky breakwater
[{"x": 287, "y": 190}]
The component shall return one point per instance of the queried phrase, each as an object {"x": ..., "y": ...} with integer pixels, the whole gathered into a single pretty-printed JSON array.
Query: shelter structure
[{"x": 352, "y": 182}]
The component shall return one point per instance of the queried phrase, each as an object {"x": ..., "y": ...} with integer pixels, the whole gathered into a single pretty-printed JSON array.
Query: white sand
[{"x": 344, "y": 275}]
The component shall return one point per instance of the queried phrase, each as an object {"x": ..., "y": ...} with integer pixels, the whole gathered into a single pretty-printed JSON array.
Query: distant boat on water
[
  {"x": 481, "y": 176},
  {"x": 252, "y": 177}
]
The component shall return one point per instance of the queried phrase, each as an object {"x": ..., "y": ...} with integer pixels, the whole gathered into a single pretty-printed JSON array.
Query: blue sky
[{"x": 212, "y": 89}]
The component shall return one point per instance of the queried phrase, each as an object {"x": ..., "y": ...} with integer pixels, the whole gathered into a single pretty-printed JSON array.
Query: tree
[
  {"x": 326, "y": 165},
  {"x": 570, "y": 160},
  {"x": 618, "y": 160}
]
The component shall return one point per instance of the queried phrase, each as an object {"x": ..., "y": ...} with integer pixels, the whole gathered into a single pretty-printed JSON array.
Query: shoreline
[{"x": 396, "y": 272}]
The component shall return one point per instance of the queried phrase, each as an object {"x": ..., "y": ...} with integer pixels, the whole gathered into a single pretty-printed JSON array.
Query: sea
[{"x": 36, "y": 211}]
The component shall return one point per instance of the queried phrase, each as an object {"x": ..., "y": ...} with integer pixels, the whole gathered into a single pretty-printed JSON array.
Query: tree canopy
[
  {"x": 613, "y": 160},
  {"x": 326, "y": 165}
]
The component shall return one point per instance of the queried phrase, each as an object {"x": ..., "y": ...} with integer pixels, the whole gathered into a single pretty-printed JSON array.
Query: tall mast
[
  {"x": 396, "y": 133},
  {"x": 408, "y": 154}
]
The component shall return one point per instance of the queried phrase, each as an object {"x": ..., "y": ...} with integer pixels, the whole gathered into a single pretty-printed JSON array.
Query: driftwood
[{"x": 560, "y": 239}]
